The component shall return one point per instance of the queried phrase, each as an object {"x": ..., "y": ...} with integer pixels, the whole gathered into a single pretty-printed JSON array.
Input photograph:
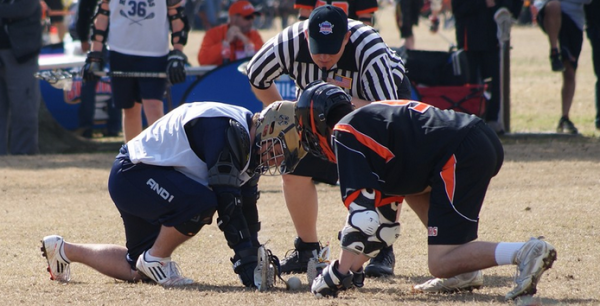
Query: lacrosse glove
[
  {"x": 176, "y": 66},
  {"x": 94, "y": 63},
  {"x": 244, "y": 263}
]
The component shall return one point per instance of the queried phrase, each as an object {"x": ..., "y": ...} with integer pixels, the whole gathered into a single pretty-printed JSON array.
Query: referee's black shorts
[{"x": 320, "y": 170}]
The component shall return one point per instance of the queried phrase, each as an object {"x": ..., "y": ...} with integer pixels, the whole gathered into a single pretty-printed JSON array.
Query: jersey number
[{"x": 137, "y": 9}]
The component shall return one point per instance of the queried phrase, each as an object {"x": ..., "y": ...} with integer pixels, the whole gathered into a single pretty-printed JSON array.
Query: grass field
[{"x": 547, "y": 186}]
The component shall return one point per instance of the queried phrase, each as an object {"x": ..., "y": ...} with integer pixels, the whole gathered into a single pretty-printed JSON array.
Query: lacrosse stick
[
  {"x": 267, "y": 270},
  {"x": 54, "y": 77},
  {"x": 317, "y": 263},
  {"x": 504, "y": 22}
]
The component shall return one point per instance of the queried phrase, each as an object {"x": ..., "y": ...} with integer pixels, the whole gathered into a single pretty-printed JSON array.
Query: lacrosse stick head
[
  {"x": 267, "y": 269},
  {"x": 317, "y": 263},
  {"x": 59, "y": 79},
  {"x": 504, "y": 21}
]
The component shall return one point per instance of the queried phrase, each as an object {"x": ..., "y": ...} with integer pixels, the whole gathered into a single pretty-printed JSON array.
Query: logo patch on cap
[{"x": 326, "y": 28}]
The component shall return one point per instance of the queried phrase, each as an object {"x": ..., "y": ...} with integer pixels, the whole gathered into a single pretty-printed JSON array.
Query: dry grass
[{"x": 547, "y": 187}]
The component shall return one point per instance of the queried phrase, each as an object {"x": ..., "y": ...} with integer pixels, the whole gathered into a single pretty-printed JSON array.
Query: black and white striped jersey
[{"x": 368, "y": 69}]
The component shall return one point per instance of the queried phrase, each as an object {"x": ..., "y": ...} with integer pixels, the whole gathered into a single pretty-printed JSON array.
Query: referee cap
[{"x": 327, "y": 26}]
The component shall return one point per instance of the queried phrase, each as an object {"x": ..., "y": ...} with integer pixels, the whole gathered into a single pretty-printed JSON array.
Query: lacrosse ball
[{"x": 294, "y": 283}]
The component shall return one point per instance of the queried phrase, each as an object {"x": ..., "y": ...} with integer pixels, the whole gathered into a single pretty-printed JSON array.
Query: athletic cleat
[
  {"x": 266, "y": 269},
  {"x": 556, "y": 61},
  {"x": 566, "y": 126},
  {"x": 535, "y": 257},
  {"x": 459, "y": 283},
  {"x": 297, "y": 260},
  {"x": 382, "y": 264},
  {"x": 53, "y": 249},
  {"x": 164, "y": 273}
]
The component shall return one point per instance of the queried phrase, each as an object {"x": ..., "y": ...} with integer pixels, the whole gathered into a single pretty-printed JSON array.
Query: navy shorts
[
  {"x": 127, "y": 91},
  {"x": 150, "y": 196},
  {"x": 56, "y": 5},
  {"x": 457, "y": 192},
  {"x": 570, "y": 38}
]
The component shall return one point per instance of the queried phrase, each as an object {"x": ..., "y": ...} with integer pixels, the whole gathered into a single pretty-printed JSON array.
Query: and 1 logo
[
  {"x": 432, "y": 231},
  {"x": 163, "y": 193}
]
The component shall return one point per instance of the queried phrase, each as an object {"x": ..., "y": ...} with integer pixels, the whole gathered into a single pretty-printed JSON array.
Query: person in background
[
  {"x": 563, "y": 22},
  {"x": 137, "y": 36},
  {"x": 592, "y": 18},
  {"x": 56, "y": 12},
  {"x": 234, "y": 40},
  {"x": 361, "y": 10},
  {"x": 85, "y": 11},
  {"x": 407, "y": 16},
  {"x": 20, "y": 45},
  {"x": 476, "y": 34}
]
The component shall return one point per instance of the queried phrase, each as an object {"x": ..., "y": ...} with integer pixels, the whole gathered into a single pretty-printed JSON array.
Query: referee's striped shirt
[{"x": 368, "y": 69}]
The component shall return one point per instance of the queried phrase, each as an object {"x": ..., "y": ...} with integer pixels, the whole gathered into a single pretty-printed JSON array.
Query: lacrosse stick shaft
[
  {"x": 200, "y": 70},
  {"x": 504, "y": 22}
]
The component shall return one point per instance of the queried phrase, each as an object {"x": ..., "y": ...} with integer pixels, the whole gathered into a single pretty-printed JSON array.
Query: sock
[
  {"x": 148, "y": 257},
  {"x": 506, "y": 252},
  {"x": 62, "y": 254}
]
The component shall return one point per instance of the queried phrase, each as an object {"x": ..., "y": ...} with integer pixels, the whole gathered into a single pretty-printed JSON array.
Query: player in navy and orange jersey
[
  {"x": 440, "y": 161},
  {"x": 362, "y": 10}
]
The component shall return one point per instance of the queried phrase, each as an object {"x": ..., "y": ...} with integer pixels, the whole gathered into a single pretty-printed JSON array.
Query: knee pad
[
  {"x": 353, "y": 240},
  {"x": 195, "y": 224}
]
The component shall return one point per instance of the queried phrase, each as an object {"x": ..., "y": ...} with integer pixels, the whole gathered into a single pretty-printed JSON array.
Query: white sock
[
  {"x": 506, "y": 252},
  {"x": 61, "y": 252},
  {"x": 148, "y": 257}
]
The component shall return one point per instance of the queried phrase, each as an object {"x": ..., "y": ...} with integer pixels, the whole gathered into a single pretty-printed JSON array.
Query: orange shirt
[{"x": 210, "y": 49}]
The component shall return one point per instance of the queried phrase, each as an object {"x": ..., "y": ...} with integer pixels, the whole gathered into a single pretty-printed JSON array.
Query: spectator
[
  {"x": 327, "y": 46},
  {"x": 407, "y": 16},
  {"x": 85, "y": 9},
  {"x": 20, "y": 44},
  {"x": 237, "y": 39},
  {"x": 56, "y": 12},
  {"x": 362, "y": 10},
  {"x": 563, "y": 22},
  {"x": 592, "y": 17},
  {"x": 476, "y": 34},
  {"x": 169, "y": 181},
  {"x": 138, "y": 40}
]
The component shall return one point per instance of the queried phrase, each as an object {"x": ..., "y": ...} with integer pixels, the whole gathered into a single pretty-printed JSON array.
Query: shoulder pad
[{"x": 238, "y": 139}]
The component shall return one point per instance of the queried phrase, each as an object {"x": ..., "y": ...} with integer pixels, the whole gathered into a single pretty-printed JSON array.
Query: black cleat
[
  {"x": 383, "y": 264},
  {"x": 296, "y": 260}
]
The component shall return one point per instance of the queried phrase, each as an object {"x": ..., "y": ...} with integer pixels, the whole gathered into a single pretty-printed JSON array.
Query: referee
[{"x": 344, "y": 52}]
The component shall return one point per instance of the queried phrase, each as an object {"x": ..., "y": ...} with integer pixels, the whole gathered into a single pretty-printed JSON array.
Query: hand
[
  {"x": 176, "y": 66},
  {"x": 244, "y": 263},
  {"x": 94, "y": 63}
]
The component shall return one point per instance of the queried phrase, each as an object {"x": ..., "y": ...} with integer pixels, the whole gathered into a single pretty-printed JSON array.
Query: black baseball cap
[{"x": 327, "y": 26}]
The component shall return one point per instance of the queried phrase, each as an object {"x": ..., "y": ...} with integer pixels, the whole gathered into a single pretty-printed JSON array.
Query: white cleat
[
  {"x": 164, "y": 273},
  {"x": 53, "y": 249},
  {"x": 535, "y": 257},
  {"x": 461, "y": 282}
]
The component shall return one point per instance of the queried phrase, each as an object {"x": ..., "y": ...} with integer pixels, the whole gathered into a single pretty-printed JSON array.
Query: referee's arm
[{"x": 268, "y": 95}]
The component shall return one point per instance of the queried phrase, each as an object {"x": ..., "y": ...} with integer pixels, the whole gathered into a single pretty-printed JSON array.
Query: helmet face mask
[
  {"x": 312, "y": 110},
  {"x": 277, "y": 140}
]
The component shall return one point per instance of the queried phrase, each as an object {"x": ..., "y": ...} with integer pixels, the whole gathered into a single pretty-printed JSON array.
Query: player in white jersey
[
  {"x": 137, "y": 35},
  {"x": 168, "y": 182}
]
